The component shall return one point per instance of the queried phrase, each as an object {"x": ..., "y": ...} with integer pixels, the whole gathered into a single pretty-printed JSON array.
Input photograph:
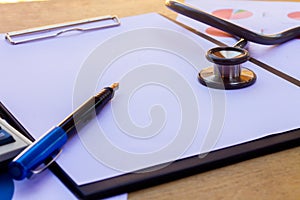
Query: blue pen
[{"x": 25, "y": 164}]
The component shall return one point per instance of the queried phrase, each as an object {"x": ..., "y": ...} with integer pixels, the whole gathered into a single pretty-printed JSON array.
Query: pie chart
[
  {"x": 294, "y": 15},
  {"x": 228, "y": 14},
  {"x": 232, "y": 13}
]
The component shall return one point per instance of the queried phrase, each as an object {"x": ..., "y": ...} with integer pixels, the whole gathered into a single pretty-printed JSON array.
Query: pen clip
[{"x": 43, "y": 168}]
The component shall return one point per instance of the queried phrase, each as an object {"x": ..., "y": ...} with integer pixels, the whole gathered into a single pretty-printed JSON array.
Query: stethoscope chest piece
[{"x": 227, "y": 72}]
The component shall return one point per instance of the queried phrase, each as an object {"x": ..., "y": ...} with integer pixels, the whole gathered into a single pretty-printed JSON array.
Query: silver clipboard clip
[{"x": 47, "y": 32}]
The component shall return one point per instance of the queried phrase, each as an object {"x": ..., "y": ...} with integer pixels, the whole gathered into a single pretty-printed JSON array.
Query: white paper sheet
[
  {"x": 46, "y": 186},
  {"x": 160, "y": 113},
  {"x": 261, "y": 17}
]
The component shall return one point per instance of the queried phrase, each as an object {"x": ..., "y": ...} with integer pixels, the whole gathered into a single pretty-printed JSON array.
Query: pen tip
[{"x": 115, "y": 86}]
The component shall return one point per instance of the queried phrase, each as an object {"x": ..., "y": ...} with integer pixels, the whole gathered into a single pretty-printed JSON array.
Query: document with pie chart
[{"x": 261, "y": 17}]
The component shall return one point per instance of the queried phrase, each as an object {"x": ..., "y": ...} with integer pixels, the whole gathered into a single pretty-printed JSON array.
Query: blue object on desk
[{"x": 6, "y": 186}]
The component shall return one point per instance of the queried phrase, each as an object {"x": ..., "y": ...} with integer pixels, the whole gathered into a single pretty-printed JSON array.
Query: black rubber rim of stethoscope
[{"x": 241, "y": 58}]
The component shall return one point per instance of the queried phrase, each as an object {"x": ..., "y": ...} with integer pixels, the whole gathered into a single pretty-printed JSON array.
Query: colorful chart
[
  {"x": 228, "y": 14},
  {"x": 232, "y": 14},
  {"x": 294, "y": 15}
]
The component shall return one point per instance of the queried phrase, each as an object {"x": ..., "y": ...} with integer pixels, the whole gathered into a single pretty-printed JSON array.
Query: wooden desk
[{"x": 275, "y": 176}]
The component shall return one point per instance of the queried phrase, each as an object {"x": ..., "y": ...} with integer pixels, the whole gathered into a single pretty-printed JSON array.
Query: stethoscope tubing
[{"x": 233, "y": 29}]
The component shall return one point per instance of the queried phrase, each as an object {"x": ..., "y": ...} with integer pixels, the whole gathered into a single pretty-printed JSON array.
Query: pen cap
[{"x": 37, "y": 153}]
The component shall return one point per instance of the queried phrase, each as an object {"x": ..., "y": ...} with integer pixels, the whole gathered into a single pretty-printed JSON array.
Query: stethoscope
[{"x": 227, "y": 72}]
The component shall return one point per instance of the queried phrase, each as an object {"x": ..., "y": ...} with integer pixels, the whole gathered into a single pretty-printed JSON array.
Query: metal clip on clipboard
[{"x": 46, "y": 32}]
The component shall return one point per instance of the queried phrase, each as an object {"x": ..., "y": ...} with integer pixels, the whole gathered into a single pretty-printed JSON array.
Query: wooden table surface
[{"x": 275, "y": 176}]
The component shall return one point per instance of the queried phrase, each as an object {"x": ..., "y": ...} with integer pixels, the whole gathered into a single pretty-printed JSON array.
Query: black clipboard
[{"x": 180, "y": 168}]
